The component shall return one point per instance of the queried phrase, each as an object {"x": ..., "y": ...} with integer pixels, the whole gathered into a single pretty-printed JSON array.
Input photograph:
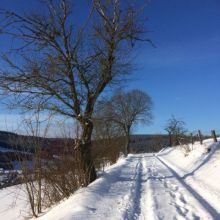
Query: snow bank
[
  {"x": 14, "y": 202},
  {"x": 200, "y": 169}
]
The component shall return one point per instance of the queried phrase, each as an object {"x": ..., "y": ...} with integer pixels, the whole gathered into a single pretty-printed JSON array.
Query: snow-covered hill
[{"x": 168, "y": 185}]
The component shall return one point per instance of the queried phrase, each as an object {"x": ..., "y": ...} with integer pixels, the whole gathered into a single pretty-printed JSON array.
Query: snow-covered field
[
  {"x": 14, "y": 203},
  {"x": 167, "y": 185}
]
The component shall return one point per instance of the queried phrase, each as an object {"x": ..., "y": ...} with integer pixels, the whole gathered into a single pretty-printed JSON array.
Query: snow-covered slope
[
  {"x": 14, "y": 203},
  {"x": 167, "y": 185},
  {"x": 200, "y": 169}
]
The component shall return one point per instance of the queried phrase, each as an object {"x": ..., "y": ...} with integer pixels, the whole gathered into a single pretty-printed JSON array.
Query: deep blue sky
[{"x": 182, "y": 74}]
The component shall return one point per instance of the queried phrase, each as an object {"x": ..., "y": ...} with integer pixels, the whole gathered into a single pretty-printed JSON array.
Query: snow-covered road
[{"x": 140, "y": 187}]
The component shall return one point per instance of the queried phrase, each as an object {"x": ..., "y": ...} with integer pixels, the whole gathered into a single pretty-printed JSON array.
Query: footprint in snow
[
  {"x": 91, "y": 209},
  {"x": 182, "y": 198},
  {"x": 183, "y": 211},
  {"x": 174, "y": 187},
  {"x": 166, "y": 184},
  {"x": 172, "y": 194}
]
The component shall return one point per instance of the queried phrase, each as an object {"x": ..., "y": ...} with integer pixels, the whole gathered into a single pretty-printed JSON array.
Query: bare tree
[
  {"x": 176, "y": 130},
  {"x": 63, "y": 67},
  {"x": 31, "y": 165},
  {"x": 127, "y": 109}
]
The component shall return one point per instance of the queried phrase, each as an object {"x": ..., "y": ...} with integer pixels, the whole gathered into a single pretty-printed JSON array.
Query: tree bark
[
  {"x": 170, "y": 139},
  {"x": 127, "y": 144},
  {"x": 86, "y": 160}
]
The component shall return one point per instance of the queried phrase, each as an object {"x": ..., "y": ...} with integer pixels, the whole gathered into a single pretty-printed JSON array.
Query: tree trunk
[
  {"x": 86, "y": 161},
  {"x": 192, "y": 139},
  {"x": 127, "y": 139},
  {"x": 127, "y": 145},
  {"x": 170, "y": 139}
]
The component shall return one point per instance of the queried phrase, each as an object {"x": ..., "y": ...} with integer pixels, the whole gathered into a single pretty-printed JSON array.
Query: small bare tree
[
  {"x": 126, "y": 109},
  {"x": 64, "y": 67},
  {"x": 50, "y": 172},
  {"x": 176, "y": 130},
  {"x": 36, "y": 129}
]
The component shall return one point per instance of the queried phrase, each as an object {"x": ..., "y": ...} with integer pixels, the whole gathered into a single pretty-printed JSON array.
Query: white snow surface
[
  {"x": 14, "y": 203},
  {"x": 167, "y": 185}
]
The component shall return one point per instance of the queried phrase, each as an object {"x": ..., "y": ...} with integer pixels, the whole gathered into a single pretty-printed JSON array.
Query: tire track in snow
[
  {"x": 133, "y": 208},
  {"x": 146, "y": 202}
]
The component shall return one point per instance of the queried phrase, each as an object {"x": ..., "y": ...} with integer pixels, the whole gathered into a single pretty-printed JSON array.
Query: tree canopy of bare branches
[
  {"x": 62, "y": 66},
  {"x": 126, "y": 109}
]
